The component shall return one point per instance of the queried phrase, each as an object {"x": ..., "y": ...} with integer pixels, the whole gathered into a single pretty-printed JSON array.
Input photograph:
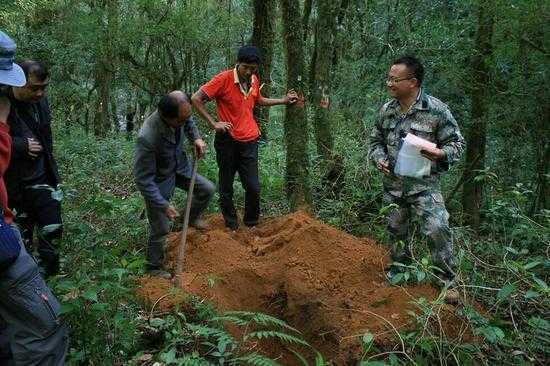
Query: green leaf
[
  {"x": 67, "y": 307},
  {"x": 506, "y": 291},
  {"x": 90, "y": 294},
  {"x": 367, "y": 340},
  {"x": 420, "y": 276},
  {"x": 491, "y": 334},
  {"x": 541, "y": 283},
  {"x": 157, "y": 322},
  {"x": 531, "y": 294},
  {"x": 57, "y": 195},
  {"x": 531, "y": 265},
  {"x": 100, "y": 306},
  {"x": 299, "y": 357},
  {"x": 319, "y": 360},
  {"x": 511, "y": 250},
  {"x": 169, "y": 357},
  {"x": 539, "y": 323},
  {"x": 397, "y": 278}
]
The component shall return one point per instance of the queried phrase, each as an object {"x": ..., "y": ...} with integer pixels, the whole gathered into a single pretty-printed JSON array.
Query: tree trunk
[
  {"x": 472, "y": 195},
  {"x": 262, "y": 37},
  {"x": 295, "y": 122},
  {"x": 104, "y": 68},
  {"x": 325, "y": 30},
  {"x": 103, "y": 77}
]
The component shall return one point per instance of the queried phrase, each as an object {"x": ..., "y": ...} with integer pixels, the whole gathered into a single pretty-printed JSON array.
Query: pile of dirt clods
[{"x": 322, "y": 281}]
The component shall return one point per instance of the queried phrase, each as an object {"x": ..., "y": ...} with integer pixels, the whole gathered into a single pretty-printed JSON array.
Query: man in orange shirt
[{"x": 236, "y": 92}]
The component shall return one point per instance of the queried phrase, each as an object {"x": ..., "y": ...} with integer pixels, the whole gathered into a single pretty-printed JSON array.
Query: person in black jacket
[
  {"x": 31, "y": 330},
  {"x": 32, "y": 178}
]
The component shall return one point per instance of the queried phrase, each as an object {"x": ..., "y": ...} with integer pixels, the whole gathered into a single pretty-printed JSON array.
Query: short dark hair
[
  {"x": 169, "y": 105},
  {"x": 414, "y": 66},
  {"x": 36, "y": 68},
  {"x": 249, "y": 54}
]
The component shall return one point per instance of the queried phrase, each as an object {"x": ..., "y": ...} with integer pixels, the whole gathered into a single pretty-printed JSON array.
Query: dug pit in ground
[{"x": 322, "y": 281}]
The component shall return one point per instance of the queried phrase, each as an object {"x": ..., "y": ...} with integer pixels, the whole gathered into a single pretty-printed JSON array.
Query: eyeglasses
[{"x": 398, "y": 80}]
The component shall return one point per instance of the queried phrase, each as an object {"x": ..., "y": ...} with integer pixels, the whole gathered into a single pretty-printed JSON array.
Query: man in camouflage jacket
[{"x": 413, "y": 111}]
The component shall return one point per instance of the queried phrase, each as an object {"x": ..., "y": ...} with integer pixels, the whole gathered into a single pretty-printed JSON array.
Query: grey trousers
[
  {"x": 160, "y": 224},
  {"x": 31, "y": 312}
]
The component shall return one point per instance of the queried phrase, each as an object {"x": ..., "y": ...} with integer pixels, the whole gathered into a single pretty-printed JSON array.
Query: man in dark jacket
[
  {"x": 29, "y": 312},
  {"x": 32, "y": 178}
]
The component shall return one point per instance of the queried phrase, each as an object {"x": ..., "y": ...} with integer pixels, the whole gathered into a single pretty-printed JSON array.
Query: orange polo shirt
[{"x": 235, "y": 105}]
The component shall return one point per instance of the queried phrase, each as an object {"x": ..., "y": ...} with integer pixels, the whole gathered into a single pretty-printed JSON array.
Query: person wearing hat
[
  {"x": 33, "y": 174},
  {"x": 236, "y": 92},
  {"x": 27, "y": 305}
]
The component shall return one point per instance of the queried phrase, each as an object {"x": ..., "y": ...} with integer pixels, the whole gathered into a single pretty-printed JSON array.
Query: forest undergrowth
[{"x": 504, "y": 268}]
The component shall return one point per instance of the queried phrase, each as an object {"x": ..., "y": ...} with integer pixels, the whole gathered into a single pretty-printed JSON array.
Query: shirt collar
[
  {"x": 236, "y": 76},
  {"x": 236, "y": 80},
  {"x": 168, "y": 131},
  {"x": 421, "y": 102}
]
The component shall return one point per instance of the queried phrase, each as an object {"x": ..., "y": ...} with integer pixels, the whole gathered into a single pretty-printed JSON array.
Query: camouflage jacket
[{"x": 428, "y": 118}]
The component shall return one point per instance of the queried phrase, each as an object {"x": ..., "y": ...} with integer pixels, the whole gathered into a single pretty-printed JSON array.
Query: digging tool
[{"x": 181, "y": 251}]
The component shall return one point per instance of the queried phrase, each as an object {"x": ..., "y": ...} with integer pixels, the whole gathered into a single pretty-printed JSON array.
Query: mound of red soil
[{"x": 328, "y": 284}]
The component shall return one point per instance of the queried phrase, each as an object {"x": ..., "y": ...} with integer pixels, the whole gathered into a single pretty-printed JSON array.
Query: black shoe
[{"x": 231, "y": 225}]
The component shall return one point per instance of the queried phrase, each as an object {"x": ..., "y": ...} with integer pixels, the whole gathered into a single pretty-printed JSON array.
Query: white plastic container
[{"x": 410, "y": 163}]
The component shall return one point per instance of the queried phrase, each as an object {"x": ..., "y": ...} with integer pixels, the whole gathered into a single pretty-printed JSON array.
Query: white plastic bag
[{"x": 410, "y": 163}]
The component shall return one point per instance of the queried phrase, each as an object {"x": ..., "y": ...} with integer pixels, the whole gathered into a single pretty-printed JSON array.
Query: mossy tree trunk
[
  {"x": 476, "y": 134},
  {"x": 295, "y": 122},
  {"x": 262, "y": 37},
  {"x": 321, "y": 67},
  {"x": 104, "y": 69}
]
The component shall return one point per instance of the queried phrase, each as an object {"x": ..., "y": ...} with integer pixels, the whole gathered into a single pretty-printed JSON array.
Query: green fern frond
[
  {"x": 264, "y": 334},
  {"x": 206, "y": 332},
  {"x": 259, "y": 318},
  {"x": 299, "y": 357},
  {"x": 231, "y": 319}
]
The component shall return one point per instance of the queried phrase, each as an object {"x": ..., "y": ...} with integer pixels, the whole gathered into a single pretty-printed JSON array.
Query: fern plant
[{"x": 207, "y": 342}]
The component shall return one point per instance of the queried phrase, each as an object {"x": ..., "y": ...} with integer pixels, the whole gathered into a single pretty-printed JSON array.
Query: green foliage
[
  {"x": 205, "y": 341},
  {"x": 159, "y": 45}
]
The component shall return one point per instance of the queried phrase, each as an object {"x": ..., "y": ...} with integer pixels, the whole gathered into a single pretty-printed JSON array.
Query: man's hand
[
  {"x": 291, "y": 97},
  {"x": 200, "y": 148},
  {"x": 34, "y": 148},
  {"x": 171, "y": 212},
  {"x": 434, "y": 154},
  {"x": 4, "y": 109},
  {"x": 223, "y": 126},
  {"x": 383, "y": 166}
]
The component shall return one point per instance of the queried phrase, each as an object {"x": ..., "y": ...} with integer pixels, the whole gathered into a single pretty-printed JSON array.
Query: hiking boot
[
  {"x": 159, "y": 273},
  {"x": 199, "y": 224}
]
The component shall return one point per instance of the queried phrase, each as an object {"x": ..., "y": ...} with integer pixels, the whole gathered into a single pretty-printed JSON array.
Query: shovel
[{"x": 183, "y": 240}]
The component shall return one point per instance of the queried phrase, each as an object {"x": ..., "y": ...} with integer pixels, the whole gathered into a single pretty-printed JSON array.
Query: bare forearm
[
  {"x": 269, "y": 102},
  {"x": 198, "y": 99}
]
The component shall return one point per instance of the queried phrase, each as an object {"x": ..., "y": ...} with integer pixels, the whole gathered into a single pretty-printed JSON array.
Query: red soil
[{"x": 328, "y": 284}]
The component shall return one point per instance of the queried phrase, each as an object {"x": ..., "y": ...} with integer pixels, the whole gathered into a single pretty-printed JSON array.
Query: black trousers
[
  {"x": 238, "y": 157},
  {"x": 39, "y": 210}
]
